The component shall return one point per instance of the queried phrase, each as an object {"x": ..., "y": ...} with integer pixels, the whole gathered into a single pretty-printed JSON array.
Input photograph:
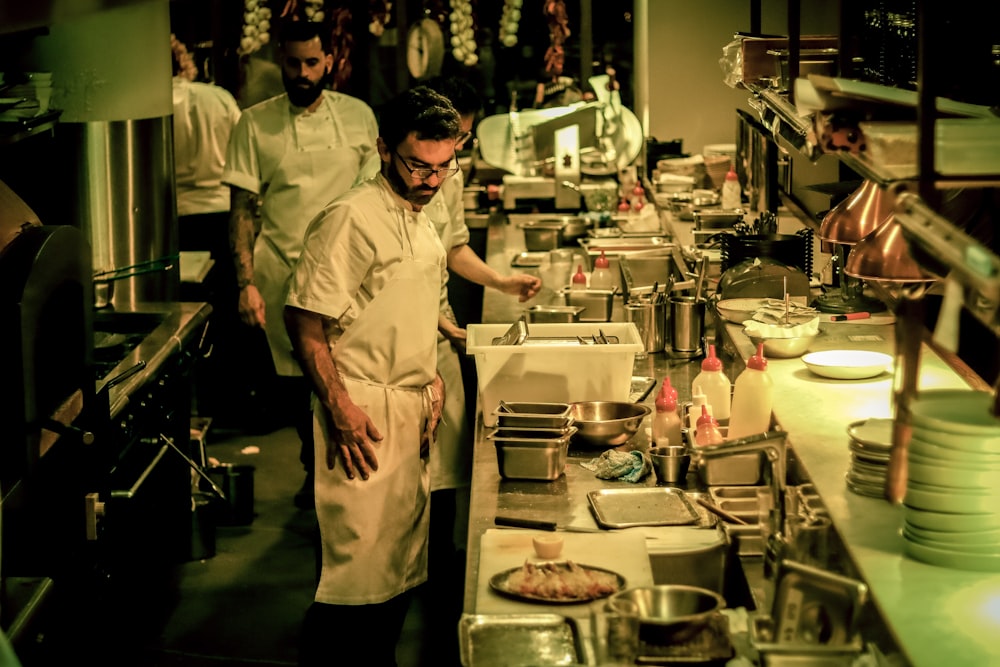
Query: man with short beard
[
  {"x": 287, "y": 158},
  {"x": 362, "y": 311}
]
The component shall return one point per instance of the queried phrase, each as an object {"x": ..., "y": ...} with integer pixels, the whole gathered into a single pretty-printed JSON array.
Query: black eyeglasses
[{"x": 423, "y": 173}]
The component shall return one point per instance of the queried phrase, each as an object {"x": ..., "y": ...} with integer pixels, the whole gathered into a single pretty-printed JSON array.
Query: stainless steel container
[
  {"x": 537, "y": 463},
  {"x": 735, "y": 470},
  {"x": 533, "y": 415},
  {"x": 597, "y": 305},
  {"x": 542, "y": 235},
  {"x": 554, "y": 313}
]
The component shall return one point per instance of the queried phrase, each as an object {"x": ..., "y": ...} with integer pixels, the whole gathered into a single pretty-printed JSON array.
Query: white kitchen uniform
[
  {"x": 451, "y": 458},
  {"x": 377, "y": 270},
  {"x": 204, "y": 116},
  {"x": 297, "y": 162}
]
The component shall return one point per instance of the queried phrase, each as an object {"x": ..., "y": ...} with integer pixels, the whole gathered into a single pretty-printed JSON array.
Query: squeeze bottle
[
  {"x": 667, "y": 421},
  {"x": 600, "y": 278},
  {"x": 731, "y": 195},
  {"x": 579, "y": 279},
  {"x": 715, "y": 385},
  {"x": 708, "y": 432},
  {"x": 753, "y": 394},
  {"x": 698, "y": 399}
]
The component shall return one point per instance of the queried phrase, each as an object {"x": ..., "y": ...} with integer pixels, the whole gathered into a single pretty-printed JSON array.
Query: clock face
[{"x": 424, "y": 49}]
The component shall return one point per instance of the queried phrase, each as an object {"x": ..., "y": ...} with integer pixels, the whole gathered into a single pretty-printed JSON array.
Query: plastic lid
[
  {"x": 706, "y": 418},
  {"x": 579, "y": 278},
  {"x": 758, "y": 361},
  {"x": 667, "y": 398},
  {"x": 601, "y": 262},
  {"x": 711, "y": 362}
]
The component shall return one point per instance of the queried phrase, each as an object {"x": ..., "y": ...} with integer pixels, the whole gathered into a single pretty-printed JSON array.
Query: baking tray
[
  {"x": 529, "y": 259},
  {"x": 487, "y": 640},
  {"x": 648, "y": 506}
]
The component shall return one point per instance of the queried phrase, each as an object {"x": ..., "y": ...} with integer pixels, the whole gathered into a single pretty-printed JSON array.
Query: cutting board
[{"x": 623, "y": 552}]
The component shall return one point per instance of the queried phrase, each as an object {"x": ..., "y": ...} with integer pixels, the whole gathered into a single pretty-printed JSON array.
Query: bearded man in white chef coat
[
  {"x": 362, "y": 312},
  {"x": 288, "y": 157}
]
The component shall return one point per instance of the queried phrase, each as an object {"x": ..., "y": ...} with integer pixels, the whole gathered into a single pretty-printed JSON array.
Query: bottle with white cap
[{"x": 715, "y": 385}]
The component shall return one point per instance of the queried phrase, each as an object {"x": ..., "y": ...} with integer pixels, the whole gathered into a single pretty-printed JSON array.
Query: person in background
[
  {"x": 204, "y": 117},
  {"x": 362, "y": 312},
  {"x": 287, "y": 158},
  {"x": 451, "y": 459}
]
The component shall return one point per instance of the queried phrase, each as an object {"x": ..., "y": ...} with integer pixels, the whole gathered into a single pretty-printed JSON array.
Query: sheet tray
[
  {"x": 520, "y": 639},
  {"x": 647, "y": 506}
]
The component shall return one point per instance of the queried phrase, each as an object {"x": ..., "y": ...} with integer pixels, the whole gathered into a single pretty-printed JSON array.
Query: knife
[{"x": 538, "y": 524}]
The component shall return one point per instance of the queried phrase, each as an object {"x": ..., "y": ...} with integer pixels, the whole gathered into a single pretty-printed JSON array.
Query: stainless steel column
[{"x": 112, "y": 79}]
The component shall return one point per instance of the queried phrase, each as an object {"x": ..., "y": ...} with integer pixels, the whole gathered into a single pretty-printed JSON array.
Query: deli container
[{"x": 559, "y": 368}]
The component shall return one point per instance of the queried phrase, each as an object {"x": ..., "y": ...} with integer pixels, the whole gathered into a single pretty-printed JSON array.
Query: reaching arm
[
  {"x": 352, "y": 432},
  {"x": 465, "y": 262},
  {"x": 243, "y": 229}
]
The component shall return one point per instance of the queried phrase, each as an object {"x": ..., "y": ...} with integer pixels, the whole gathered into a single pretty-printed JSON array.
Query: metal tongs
[{"x": 151, "y": 266}]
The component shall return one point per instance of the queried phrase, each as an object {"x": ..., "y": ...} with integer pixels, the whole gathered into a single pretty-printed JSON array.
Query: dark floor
[{"x": 243, "y": 606}]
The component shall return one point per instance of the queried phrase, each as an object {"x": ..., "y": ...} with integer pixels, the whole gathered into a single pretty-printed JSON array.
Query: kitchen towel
[{"x": 628, "y": 466}]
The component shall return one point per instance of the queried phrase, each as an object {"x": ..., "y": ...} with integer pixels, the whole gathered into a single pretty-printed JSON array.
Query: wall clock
[{"x": 424, "y": 49}]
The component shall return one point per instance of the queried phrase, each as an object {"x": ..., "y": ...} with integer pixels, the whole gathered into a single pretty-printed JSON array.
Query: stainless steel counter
[{"x": 937, "y": 615}]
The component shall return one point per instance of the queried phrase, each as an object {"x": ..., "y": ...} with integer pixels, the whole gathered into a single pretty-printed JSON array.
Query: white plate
[{"x": 847, "y": 364}]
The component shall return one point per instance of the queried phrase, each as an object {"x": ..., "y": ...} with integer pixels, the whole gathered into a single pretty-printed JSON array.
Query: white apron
[
  {"x": 309, "y": 176},
  {"x": 374, "y": 532},
  {"x": 451, "y": 456}
]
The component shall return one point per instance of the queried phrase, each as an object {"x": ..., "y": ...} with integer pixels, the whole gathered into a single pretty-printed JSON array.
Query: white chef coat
[
  {"x": 297, "y": 162},
  {"x": 204, "y": 117},
  {"x": 378, "y": 271},
  {"x": 451, "y": 459}
]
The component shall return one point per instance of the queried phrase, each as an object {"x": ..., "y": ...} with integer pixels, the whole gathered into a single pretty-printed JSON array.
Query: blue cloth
[{"x": 628, "y": 466}]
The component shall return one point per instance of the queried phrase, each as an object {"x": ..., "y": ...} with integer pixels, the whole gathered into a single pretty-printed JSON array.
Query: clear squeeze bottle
[
  {"x": 601, "y": 278},
  {"x": 667, "y": 421},
  {"x": 698, "y": 399},
  {"x": 715, "y": 385},
  {"x": 579, "y": 281},
  {"x": 708, "y": 432},
  {"x": 753, "y": 394}
]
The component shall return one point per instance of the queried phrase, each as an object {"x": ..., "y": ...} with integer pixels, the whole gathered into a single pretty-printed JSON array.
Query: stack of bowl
[
  {"x": 870, "y": 442},
  {"x": 952, "y": 502},
  {"x": 532, "y": 439}
]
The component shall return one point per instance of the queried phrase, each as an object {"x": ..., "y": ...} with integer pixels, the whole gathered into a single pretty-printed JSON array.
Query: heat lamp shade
[
  {"x": 884, "y": 255},
  {"x": 858, "y": 215}
]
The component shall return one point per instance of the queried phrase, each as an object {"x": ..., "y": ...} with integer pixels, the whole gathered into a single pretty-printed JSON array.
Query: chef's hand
[
  {"x": 437, "y": 394},
  {"x": 353, "y": 436},
  {"x": 456, "y": 335},
  {"x": 522, "y": 285},
  {"x": 252, "y": 306}
]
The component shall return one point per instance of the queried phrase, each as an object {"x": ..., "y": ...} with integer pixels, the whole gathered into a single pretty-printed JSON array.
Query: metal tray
[
  {"x": 648, "y": 506},
  {"x": 529, "y": 259},
  {"x": 519, "y": 639},
  {"x": 533, "y": 415}
]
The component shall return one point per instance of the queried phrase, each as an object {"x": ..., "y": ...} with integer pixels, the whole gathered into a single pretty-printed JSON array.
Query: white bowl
[
  {"x": 847, "y": 364},
  {"x": 953, "y": 559},
  {"x": 952, "y": 477},
  {"x": 738, "y": 311},
  {"x": 957, "y": 412},
  {"x": 952, "y": 455}
]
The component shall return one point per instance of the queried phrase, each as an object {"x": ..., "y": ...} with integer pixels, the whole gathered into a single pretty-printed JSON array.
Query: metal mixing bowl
[
  {"x": 672, "y": 613},
  {"x": 783, "y": 348},
  {"x": 607, "y": 423}
]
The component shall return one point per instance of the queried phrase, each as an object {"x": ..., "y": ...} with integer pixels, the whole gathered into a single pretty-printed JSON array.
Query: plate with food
[{"x": 557, "y": 582}]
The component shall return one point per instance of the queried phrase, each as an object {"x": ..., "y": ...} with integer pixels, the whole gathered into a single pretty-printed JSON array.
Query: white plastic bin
[{"x": 553, "y": 372}]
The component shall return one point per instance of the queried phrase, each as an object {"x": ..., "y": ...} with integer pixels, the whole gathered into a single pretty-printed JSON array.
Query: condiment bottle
[
  {"x": 715, "y": 385},
  {"x": 731, "y": 195},
  {"x": 698, "y": 399},
  {"x": 601, "y": 278},
  {"x": 708, "y": 432},
  {"x": 667, "y": 421},
  {"x": 753, "y": 394},
  {"x": 579, "y": 281}
]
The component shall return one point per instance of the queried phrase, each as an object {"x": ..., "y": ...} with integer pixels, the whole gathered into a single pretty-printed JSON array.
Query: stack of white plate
[
  {"x": 870, "y": 441},
  {"x": 952, "y": 504}
]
